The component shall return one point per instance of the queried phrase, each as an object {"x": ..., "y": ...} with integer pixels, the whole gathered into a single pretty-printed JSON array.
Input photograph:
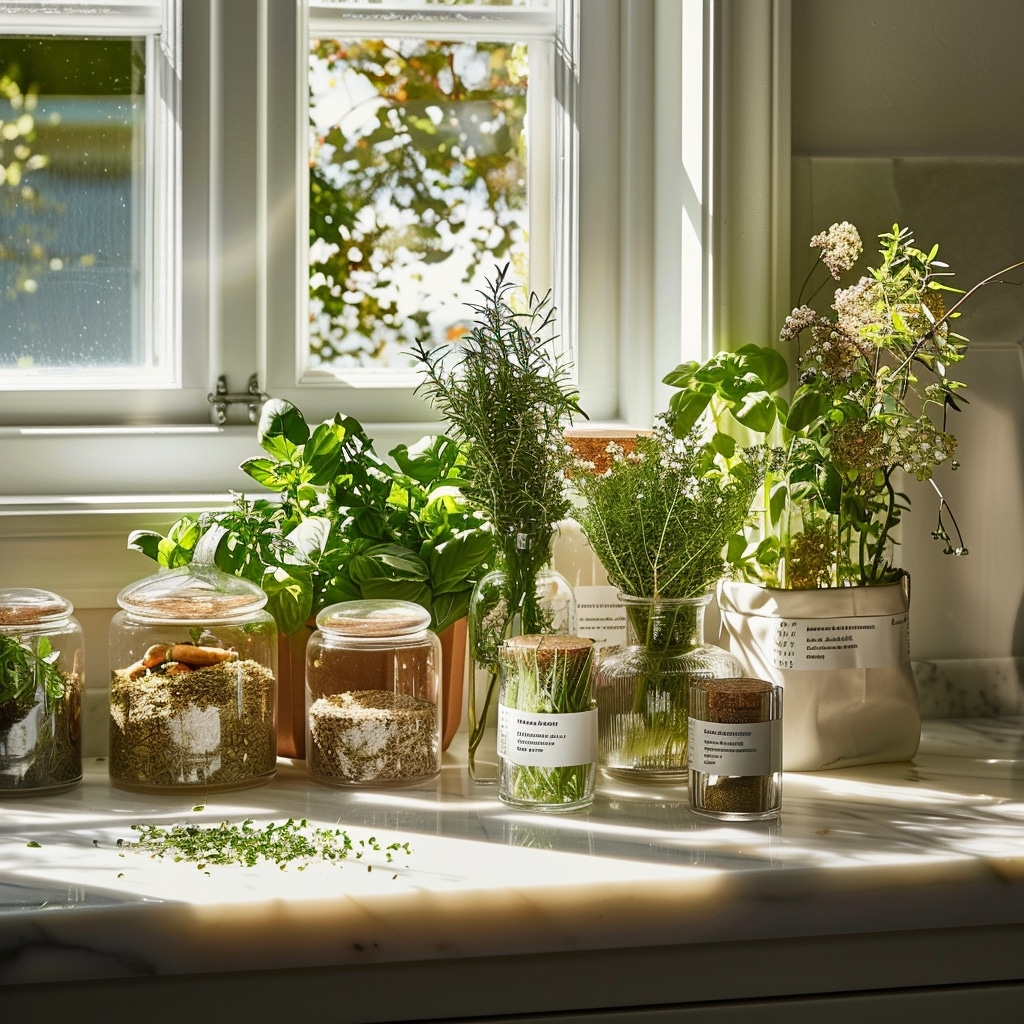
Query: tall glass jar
[
  {"x": 506, "y": 603},
  {"x": 41, "y": 679},
  {"x": 373, "y": 695},
  {"x": 547, "y": 723},
  {"x": 643, "y": 689},
  {"x": 193, "y": 691}
]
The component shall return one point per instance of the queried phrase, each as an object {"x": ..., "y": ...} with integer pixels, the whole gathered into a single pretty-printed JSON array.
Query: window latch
[{"x": 252, "y": 398}]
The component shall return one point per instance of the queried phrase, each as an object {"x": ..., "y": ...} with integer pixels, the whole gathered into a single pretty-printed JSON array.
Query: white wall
[{"x": 913, "y": 112}]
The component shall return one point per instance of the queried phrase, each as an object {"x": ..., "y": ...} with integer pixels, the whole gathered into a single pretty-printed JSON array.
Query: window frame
[
  {"x": 155, "y": 223},
  {"x": 241, "y": 242}
]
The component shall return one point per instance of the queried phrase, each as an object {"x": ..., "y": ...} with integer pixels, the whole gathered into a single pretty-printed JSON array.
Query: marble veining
[
  {"x": 970, "y": 687},
  {"x": 861, "y": 850}
]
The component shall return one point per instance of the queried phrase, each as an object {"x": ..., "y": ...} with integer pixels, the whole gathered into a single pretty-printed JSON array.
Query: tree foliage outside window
[{"x": 418, "y": 171}]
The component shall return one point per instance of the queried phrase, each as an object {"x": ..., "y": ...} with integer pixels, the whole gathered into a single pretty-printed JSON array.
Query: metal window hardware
[{"x": 253, "y": 398}]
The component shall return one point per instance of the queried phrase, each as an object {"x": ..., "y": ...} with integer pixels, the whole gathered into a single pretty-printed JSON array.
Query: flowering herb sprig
[
  {"x": 873, "y": 398},
  {"x": 659, "y": 519}
]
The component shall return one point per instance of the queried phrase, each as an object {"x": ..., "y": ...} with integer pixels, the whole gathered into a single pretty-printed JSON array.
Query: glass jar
[
  {"x": 643, "y": 689},
  {"x": 547, "y": 723},
  {"x": 373, "y": 695},
  {"x": 498, "y": 610},
  {"x": 736, "y": 749},
  {"x": 193, "y": 689},
  {"x": 41, "y": 679}
]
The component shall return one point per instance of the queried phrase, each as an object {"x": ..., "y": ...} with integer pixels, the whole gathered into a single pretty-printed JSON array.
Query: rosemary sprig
[{"x": 507, "y": 395}]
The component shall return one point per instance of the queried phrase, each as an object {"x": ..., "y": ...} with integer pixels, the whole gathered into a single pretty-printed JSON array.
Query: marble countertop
[{"x": 936, "y": 843}]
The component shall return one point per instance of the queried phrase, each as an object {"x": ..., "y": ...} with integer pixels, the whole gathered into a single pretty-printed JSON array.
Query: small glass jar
[
  {"x": 193, "y": 689},
  {"x": 547, "y": 722},
  {"x": 736, "y": 749},
  {"x": 373, "y": 695},
  {"x": 41, "y": 680}
]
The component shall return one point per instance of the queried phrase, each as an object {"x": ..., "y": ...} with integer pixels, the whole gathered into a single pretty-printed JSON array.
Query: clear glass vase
[
  {"x": 643, "y": 689},
  {"x": 506, "y": 602}
]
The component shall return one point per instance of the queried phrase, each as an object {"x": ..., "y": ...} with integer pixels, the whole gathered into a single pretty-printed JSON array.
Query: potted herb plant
[
  {"x": 341, "y": 524},
  {"x": 819, "y": 602},
  {"x": 659, "y": 518},
  {"x": 507, "y": 397}
]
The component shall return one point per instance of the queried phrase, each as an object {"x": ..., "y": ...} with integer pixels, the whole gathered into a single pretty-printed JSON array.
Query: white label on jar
[
  {"x": 867, "y": 641},
  {"x": 600, "y": 615},
  {"x": 547, "y": 741},
  {"x": 726, "y": 748}
]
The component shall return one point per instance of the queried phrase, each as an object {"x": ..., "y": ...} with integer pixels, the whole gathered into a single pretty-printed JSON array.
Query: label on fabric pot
[
  {"x": 867, "y": 641},
  {"x": 726, "y": 748},
  {"x": 547, "y": 741}
]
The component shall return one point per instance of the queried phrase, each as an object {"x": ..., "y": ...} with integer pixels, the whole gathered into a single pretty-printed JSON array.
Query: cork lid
[
  {"x": 737, "y": 700},
  {"x": 26, "y": 606},
  {"x": 373, "y": 618},
  {"x": 194, "y": 593}
]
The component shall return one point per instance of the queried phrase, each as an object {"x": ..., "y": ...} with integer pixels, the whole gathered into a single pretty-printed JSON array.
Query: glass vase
[
  {"x": 506, "y": 602},
  {"x": 643, "y": 689}
]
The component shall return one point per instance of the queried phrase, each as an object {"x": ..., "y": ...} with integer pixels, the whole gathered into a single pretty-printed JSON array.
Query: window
[
  {"x": 88, "y": 240},
  {"x": 226, "y": 129}
]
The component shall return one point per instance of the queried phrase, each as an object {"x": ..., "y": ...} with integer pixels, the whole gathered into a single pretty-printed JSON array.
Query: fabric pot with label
[{"x": 842, "y": 656}]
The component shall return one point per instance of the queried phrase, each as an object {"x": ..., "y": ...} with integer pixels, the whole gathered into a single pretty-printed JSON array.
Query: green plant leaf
[
  {"x": 685, "y": 408},
  {"x": 768, "y": 363},
  {"x": 808, "y": 406},
  {"x": 450, "y": 564},
  {"x": 264, "y": 471},
  {"x": 289, "y": 598},
  {"x": 282, "y": 429}
]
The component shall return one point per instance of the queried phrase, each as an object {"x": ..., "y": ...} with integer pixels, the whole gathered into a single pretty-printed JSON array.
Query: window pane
[
  {"x": 418, "y": 189},
  {"x": 72, "y": 144}
]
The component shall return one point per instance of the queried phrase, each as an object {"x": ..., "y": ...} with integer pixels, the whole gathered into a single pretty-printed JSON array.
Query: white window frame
[
  {"x": 654, "y": 226},
  {"x": 83, "y": 395}
]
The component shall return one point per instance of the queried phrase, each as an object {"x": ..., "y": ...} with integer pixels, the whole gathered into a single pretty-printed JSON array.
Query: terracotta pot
[{"x": 291, "y": 687}]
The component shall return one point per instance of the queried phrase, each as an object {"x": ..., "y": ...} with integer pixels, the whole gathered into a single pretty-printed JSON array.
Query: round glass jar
[
  {"x": 643, "y": 689},
  {"x": 373, "y": 695},
  {"x": 193, "y": 688},
  {"x": 41, "y": 680}
]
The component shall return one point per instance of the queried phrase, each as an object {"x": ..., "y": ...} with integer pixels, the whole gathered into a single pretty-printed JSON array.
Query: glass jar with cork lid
[
  {"x": 193, "y": 690},
  {"x": 735, "y": 752},
  {"x": 373, "y": 695},
  {"x": 41, "y": 680}
]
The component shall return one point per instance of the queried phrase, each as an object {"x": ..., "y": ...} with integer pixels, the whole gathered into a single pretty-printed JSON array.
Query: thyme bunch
[{"x": 662, "y": 515}]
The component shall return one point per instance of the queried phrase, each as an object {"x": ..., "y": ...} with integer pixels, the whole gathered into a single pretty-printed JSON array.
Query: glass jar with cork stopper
[
  {"x": 373, "y": 695},
  {"x": 41, "y": 680},
  {"x": 735, "y": 749},
  {"x": 193, "y": 690}
]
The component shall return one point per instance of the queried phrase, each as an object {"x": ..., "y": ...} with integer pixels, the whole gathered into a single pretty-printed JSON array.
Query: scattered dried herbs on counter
[{"x": 288, "y": 843}]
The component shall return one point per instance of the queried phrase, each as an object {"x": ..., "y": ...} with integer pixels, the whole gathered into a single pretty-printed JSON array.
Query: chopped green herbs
[{"x": 288, "y": 843}]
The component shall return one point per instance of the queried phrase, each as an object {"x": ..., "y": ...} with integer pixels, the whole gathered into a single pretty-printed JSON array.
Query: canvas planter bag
[{"x": 842, "y": 657}]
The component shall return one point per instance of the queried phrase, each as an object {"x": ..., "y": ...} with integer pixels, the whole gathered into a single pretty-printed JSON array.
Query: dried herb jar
[
  {"x": 193, "y": 684},
  {"x": 736, "y": 748},
  {"x": 41, "y": 680},
  {"x": 373, "y": 695}
]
